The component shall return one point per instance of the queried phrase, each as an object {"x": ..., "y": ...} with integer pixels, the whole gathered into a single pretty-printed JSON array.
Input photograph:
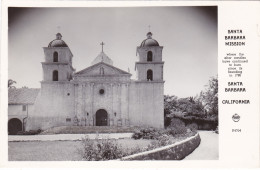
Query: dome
[
  {"x": 102, "y": 57},
  {"x": 58, "y": 42},
  {"x": 149, "y": 41}
]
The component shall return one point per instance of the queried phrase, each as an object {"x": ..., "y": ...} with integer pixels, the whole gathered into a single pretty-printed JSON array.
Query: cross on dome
[
  {"x": 102, "y": 43},
  {"x": 102, "y": 57}
]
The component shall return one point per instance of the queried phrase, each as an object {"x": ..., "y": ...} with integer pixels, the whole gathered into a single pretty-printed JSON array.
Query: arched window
[
  {"x": 150, "y": 56},
  {"x": 55, "y": 75},
  {"x": 149, "y": 75},
  {"x": 55, "y": 57}
]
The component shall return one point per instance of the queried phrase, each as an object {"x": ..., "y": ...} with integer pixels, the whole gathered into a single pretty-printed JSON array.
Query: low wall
[{"x": 176, "y": 151}]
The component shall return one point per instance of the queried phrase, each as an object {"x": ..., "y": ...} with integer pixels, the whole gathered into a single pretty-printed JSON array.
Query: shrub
[
  {"x": 31, "y": 132},
  {"x": 149, "y": 133},
  {"x": 137, "y": 135},
  {"x": 177, "y": 123},
  {"x": 177, "y": 127},
  {"x": 105, "y": 149},
  {"x": 177, "y": 130},
  {"x": 164, "y": 140},
  {"x": 193, "y": 127},
  {"x": 145, "y": 133}
]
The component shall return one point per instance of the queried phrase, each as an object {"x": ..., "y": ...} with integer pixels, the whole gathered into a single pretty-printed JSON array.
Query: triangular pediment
[{"x": 103, "y": 69}]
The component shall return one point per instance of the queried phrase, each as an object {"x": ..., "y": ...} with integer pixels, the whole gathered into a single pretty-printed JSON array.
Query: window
[
  {"x": 68, "y": 119},
  {"x": 55, "y": 57},
  {"x": 149, "y": 75},
  {"x": 24, "y": 107},
  {"x": 55, "y": 75},
  {"x": 101, "y": 91},
  {"x": 150, "y": 56}
]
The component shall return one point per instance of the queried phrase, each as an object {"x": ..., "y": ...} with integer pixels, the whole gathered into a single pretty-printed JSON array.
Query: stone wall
[
  {"x": 126, "y": 103},
  {"x": 146, "y": 104},
  {"x": 176, "y": 151},
  {"x": 54, "y": 104},
  {"x": 156, "y": 50},
  {"x": 16, "y": 111}
]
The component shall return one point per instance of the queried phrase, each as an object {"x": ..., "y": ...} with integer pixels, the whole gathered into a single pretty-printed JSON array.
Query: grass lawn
[{"x": 57, "y": 150}]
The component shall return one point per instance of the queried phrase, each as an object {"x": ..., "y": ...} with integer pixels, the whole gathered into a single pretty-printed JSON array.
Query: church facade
[{"x": 102, "y": 94}]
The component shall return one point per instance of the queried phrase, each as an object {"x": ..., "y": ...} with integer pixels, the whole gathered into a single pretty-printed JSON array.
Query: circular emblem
[
  {"x": 101, "y": 91},
  {"x": 236, "y": 117}
]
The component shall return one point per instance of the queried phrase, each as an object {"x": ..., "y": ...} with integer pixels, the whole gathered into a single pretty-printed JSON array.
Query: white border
[{"x": 228, "y": 157}]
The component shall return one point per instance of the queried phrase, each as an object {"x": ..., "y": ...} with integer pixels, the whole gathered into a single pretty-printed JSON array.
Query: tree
[
  {"x": 191, "y": 106},
  {"x": 170, "y": 105},
  {"x": 203, "y": 106},
  {"x": 11, "y": 83},
  {"x": 209, "y": 97}
]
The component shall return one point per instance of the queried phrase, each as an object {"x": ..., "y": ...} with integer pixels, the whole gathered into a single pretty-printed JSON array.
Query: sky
[{"x": 188, "y": 36}]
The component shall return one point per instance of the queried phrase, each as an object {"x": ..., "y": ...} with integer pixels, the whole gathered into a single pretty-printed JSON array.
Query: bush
[
  {"x": 193, "y": 127},
  {"x": 164, "y": 140},
  {"x": 145, "y": 133},
  {"x": 99, "y": 150},
  {"x": 150, "y": 133},
  {"x": 31, "y": 132},
  {"x": 137, "y": 135},
  {"x": 177, "y": 130},
  {"x": 177, "y": 127},
  {"x": 177, "y": 123}
]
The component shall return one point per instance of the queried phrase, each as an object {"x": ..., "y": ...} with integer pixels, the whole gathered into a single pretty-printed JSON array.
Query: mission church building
[{"x": 99, "y": 95}]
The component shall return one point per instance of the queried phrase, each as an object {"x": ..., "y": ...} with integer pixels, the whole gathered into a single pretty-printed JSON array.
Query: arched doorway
[
  {"x": 14, "y": 126},
  {"x": 101, "y": 118}
]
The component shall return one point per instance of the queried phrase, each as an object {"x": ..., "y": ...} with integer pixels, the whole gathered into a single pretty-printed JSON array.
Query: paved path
[
  {"x": 208, "y": 148},
  {"x": 66, "y": 137}
]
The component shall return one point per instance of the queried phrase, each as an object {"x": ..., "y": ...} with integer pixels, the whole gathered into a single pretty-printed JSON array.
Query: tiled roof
[{"x": 22, "y": 95}]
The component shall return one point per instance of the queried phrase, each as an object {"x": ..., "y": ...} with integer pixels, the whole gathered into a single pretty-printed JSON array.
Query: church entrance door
[{"x": 101, "y": 118}]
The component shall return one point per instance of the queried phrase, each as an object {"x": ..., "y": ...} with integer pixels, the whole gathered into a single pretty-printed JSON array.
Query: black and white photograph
[{"x": 113, "y": 83}]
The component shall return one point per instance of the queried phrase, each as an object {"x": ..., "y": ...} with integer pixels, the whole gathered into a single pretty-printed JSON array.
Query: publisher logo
[{"x": 236, "y": 117}]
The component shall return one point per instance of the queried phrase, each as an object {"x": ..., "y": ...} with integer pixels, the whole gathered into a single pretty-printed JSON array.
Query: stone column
[
  {"x": 92, "y": 104},
  {"x": 75, "y": 99},
  {"x": 119, "y": 122},
  {"x": 127, "y": 123},
  {"x": 75, "y": 121},
  {"x": 112, "y": 103}
]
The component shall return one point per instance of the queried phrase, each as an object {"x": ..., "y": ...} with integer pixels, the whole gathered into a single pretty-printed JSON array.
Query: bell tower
[
  {"x": 57, "y": 66},
  {"x": 150, "y": 65}
]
